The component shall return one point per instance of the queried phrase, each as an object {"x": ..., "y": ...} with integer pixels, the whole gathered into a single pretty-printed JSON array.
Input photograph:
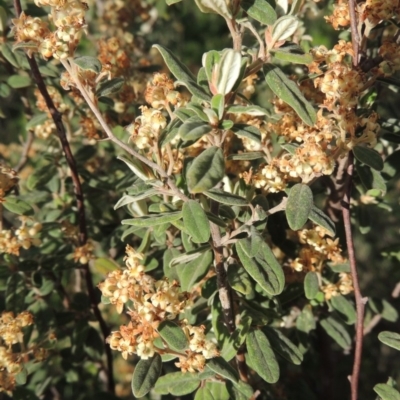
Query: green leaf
[
  {"x": 260, "y": 10},
  {"x": 392, "y": 165},
  {"x": 263, "y": 268},
  {"x": 4, "y": 90},
  {"x": 251, "y": 132},
  {"x": 320, "y": 218},
  {"x": 212, "y": 391},
  {"x": 193, "y": 129},
  {"x": 19, "y": 81},
  {"x": 344, "y": 308},
  {"x": 248, "y": 156},
  {"x": 261, "y": 357},
  {"x": 283, "y": 346},
  {"x": 88, "y": 63},
  {"x": 110, "y": 87},
  {"x": 104, "y": 265},
  {"x": 215, "y": 7},
  {"x": 228, "y": 71},
  {"x": 127, "y": 199},
  {"x": 177, "y": 383},
  {"x": 170, "y": 2},
  {"x": 288, "y": 91},
  {"x": 252, "y": 110},
  {"x": 145, "y": 375},
  {"x": 239, "y": 279},
  {"x": 206, "y": 170},
  {"x": 192, "y": 272},
  {"x": 368, "y": 157},
  {"x": 298, "y": 206},
  {"x": 196, "y": 221},
  {"x": 226, "y": 198},
  {"x": 391, "y": 339},
  {"x": 37, "y": 119},
  {"x": 15, "y": 293},
  {"x": 337, "y": 332},
  {"x": 311, "y": 285},
  {"x": 210, "y": 59},
  {"x": 386, "y": 392},
  {"x": 173, "y": 335},
  {"x": 239, "y": 391},
  {"x": 222, "y": 368},
  {"x": 284, "y": 27},
  {"x": 147, "y": 221},
  {"x": 182, "y": 73},
  {"x": 141, "y": 170},
  {"x": 291, "y": 55},
  {"x": 218, "y": 105},
  {"x": 9, "y": 55},
  {"x": 17, "y": 206},
  {"x": 371, "y": 178}
]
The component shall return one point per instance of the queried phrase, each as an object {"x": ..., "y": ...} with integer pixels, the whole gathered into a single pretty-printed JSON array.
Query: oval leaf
[
  {"x": 206, "y": 171},
  {"x": 248, "y": 131},
  {"x": 261, "y": 357},
  {"x": 260, "y": 10},
  {"x": 177, "y": 383},
  {"x": 226, "y": 198},
  {"x": 196, "y": 221},
  {"x": 368, "y": 157},
  {"x": 19, "y": 81},
  {"x": 344, "y": 308},
  {"x": 283, "y": 346},
  {"x": 88, "y": 63},
  {"x": 17, "y": 206},
  {"x": 228, "y": 71},
  {"x": 288, "y": 91},
  {"x": 311, "y": 285},
  {"x": 193, "y": 129},
  {"x": 173, "y": 335},
  {"x": 320, "y": 218},
  {"x": 391, "y": 339},
  {"x": 182, "y": 73},
  {"x": 222, "y": 368},
  {"x": 284, "y": 27},
  {"x": 192, "y": 272},
  {"x": 215, "y": 7},
  {"x": 145, "y": 375},
  {"x": 298, "y": 206},
  {"x": 386, "y": 392},
  {"x": 263, "y": 268},
  {"x": 337, "y": 332}
]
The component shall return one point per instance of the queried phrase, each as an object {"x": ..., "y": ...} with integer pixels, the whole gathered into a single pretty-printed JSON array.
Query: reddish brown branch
[
  {"x": 355, "y": 38},
  {"x": 357, "y": 293},
  {"x": 83, "y": 236}
]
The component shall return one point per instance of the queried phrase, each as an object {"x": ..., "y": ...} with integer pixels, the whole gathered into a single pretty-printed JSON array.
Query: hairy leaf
[
  {"x": 391, "y": 339},
  {"x": 226, "y": 198},
  {"x": 260, "y": 10},
  {"x": 288, "y": 91},
  {"x": 196, "y": 221},
  {"x": 337, "y": 332},
  {"x": 206, "y": 170},
  {"x": 344, "y": 308},
  {"x": 173, "y": 335},
  {"x": 147, "y": 221},
  {"x": 177, "y": 383},
  {"x": 311, "y": 285},
  {"x": 261, "y": 357},
  {"x": 298, "y": 206},
  {"x": 145, "y": 375},
  {"x": 320, "y": 218},
  {"x": 368, "y": 157},
  {"x": 386, "y": 392}
]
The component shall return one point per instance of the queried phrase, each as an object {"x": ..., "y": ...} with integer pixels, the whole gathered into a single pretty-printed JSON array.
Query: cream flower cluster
[
  {"x": 68, "y": 18},
  {"x": 25, "y": 236},
  {"x": 152, "y": 302},
  {"x": 11, "y": 363}
]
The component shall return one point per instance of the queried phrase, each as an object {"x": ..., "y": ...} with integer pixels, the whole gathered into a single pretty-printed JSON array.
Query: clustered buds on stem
[
  {"x": 152, "y": 302},
  {"x": 13, "y": 352}
]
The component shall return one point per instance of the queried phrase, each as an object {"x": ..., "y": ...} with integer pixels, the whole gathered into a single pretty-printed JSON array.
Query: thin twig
[
  {"x": 360, "y": 302},
  {"x": 83, "y": 236}
]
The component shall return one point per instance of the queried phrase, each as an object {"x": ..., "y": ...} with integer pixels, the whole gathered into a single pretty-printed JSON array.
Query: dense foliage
[{"x": 199, "y": 199}]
